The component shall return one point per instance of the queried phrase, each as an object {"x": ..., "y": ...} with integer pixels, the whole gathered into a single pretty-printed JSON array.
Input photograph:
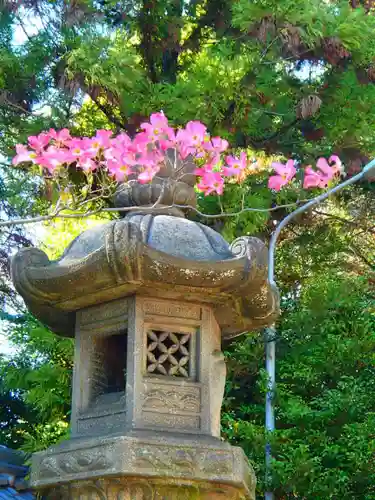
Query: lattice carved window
[{"x": 169, "y": 353}]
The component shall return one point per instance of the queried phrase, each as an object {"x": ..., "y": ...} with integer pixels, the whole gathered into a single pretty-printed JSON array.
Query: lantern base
[{"x": 143, "y": 467}]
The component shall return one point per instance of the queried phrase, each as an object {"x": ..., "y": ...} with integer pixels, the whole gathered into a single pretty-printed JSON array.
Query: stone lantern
[{"x": 148, "y": 299}]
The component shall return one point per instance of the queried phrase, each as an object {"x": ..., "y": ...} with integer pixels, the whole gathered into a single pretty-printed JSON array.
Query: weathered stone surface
[
  {"x": 165, "y": 398},
  {"x": 195, "y": 241},
  {"x": 186, "y": 466},
  {"x": 141, "y": 489},
  {"x": 172, "y": 370},
  {"x": 168, "y": 257},
  {"x": 174, "y": 185}
]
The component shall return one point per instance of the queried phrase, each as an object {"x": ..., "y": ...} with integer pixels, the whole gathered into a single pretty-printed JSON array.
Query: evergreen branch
[{"x": 275, "y": 134}]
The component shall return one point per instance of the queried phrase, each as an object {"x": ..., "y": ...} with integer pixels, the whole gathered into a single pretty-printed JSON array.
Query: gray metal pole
[
  {"x": 271, "y": 332},
  {"x": 271, "y": 385}
]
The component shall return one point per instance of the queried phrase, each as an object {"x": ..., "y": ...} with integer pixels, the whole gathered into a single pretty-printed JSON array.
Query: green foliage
[
  {"x": 241, "y": 67},
  {"x": 16, "y": 416},
  {"x": 38, "y": 376},
  {"x": 339, "y": 124},
  {"x": 314, "y": 20},
  {"x": 99, "y": 59},
  {"x": 325, "y": 402}
]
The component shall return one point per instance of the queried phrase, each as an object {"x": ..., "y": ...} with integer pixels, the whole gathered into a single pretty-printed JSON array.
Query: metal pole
[
  {"x": 271, "y": 332},
  {"x": 270, "y": 414}
]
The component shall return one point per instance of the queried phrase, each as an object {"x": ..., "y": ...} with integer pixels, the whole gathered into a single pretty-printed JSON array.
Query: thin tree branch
[
  {"x": 16, "y": 106},
  {"x": 283, "y": 128},
  {"x": 363, "y": 258},
  {"x": 59, "y": 215},
  {"x": 264, "y": 53},
  {"x": 345, "y": 221},
  {"x": 23, "y": 27},
  {"x": 107, "y": 113}
]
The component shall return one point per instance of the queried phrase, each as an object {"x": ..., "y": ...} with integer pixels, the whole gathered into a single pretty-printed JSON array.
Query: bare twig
[
  {"x": 80, "y": 215},
  {"x": 220, "y": 205},
  {"x": 160, "y": 197},
  {"x": 264, "y": 53},
  {"x": 266, "y": 112},
  {"x": 243, "y": 201}
]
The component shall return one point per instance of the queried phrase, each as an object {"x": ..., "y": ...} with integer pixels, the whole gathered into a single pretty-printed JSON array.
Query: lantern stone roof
[
  {"x": 153, "y": 251},
  {"x": 150, "y": 254}
]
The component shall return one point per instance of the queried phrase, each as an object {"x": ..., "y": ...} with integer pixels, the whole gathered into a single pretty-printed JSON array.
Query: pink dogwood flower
[
  {"x": 39, "y": 142},
  {"x": 143, "y": 155},
  {"x": 193, "y": 135},
  {"x": 212, "y": 149},
  {"x": 119, "y": 169},
  {"x": 144, "y": 152},
  {"x": 147, "y": 174},
  {"x": 141, "y": 143},
  {"x": 157, "y": 121},
  {"x": 80, "y": 147},
  {"x": 285, "y": 174},
  {"x": 169, "y": 141},
  {"x": 53, "y": 158},
  {"x": 314, "y": 179},
  {"x": 59, "y": 137},
  {"x": 158, "y": 128},
  {"x": 102, "y": 139},
  {"x": 336, "y": 163},
  {"x": 331, "y": 167},
  {"x": 235, "y": 165},
  {"x": 122, "y": 141},
  {"x": 115, "y": 151},
  {"x": 208, "y": 167},
  {"x": 87, "y": 163},
  {"x": 185, "y": 150},
  {"x": 216, "y": 145},
  {"x": 211, "y": 182},
  {"x": 24, "y": 155},
  {"x": 324, "y": 166},
  {"x": 92, "y": 146}
]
